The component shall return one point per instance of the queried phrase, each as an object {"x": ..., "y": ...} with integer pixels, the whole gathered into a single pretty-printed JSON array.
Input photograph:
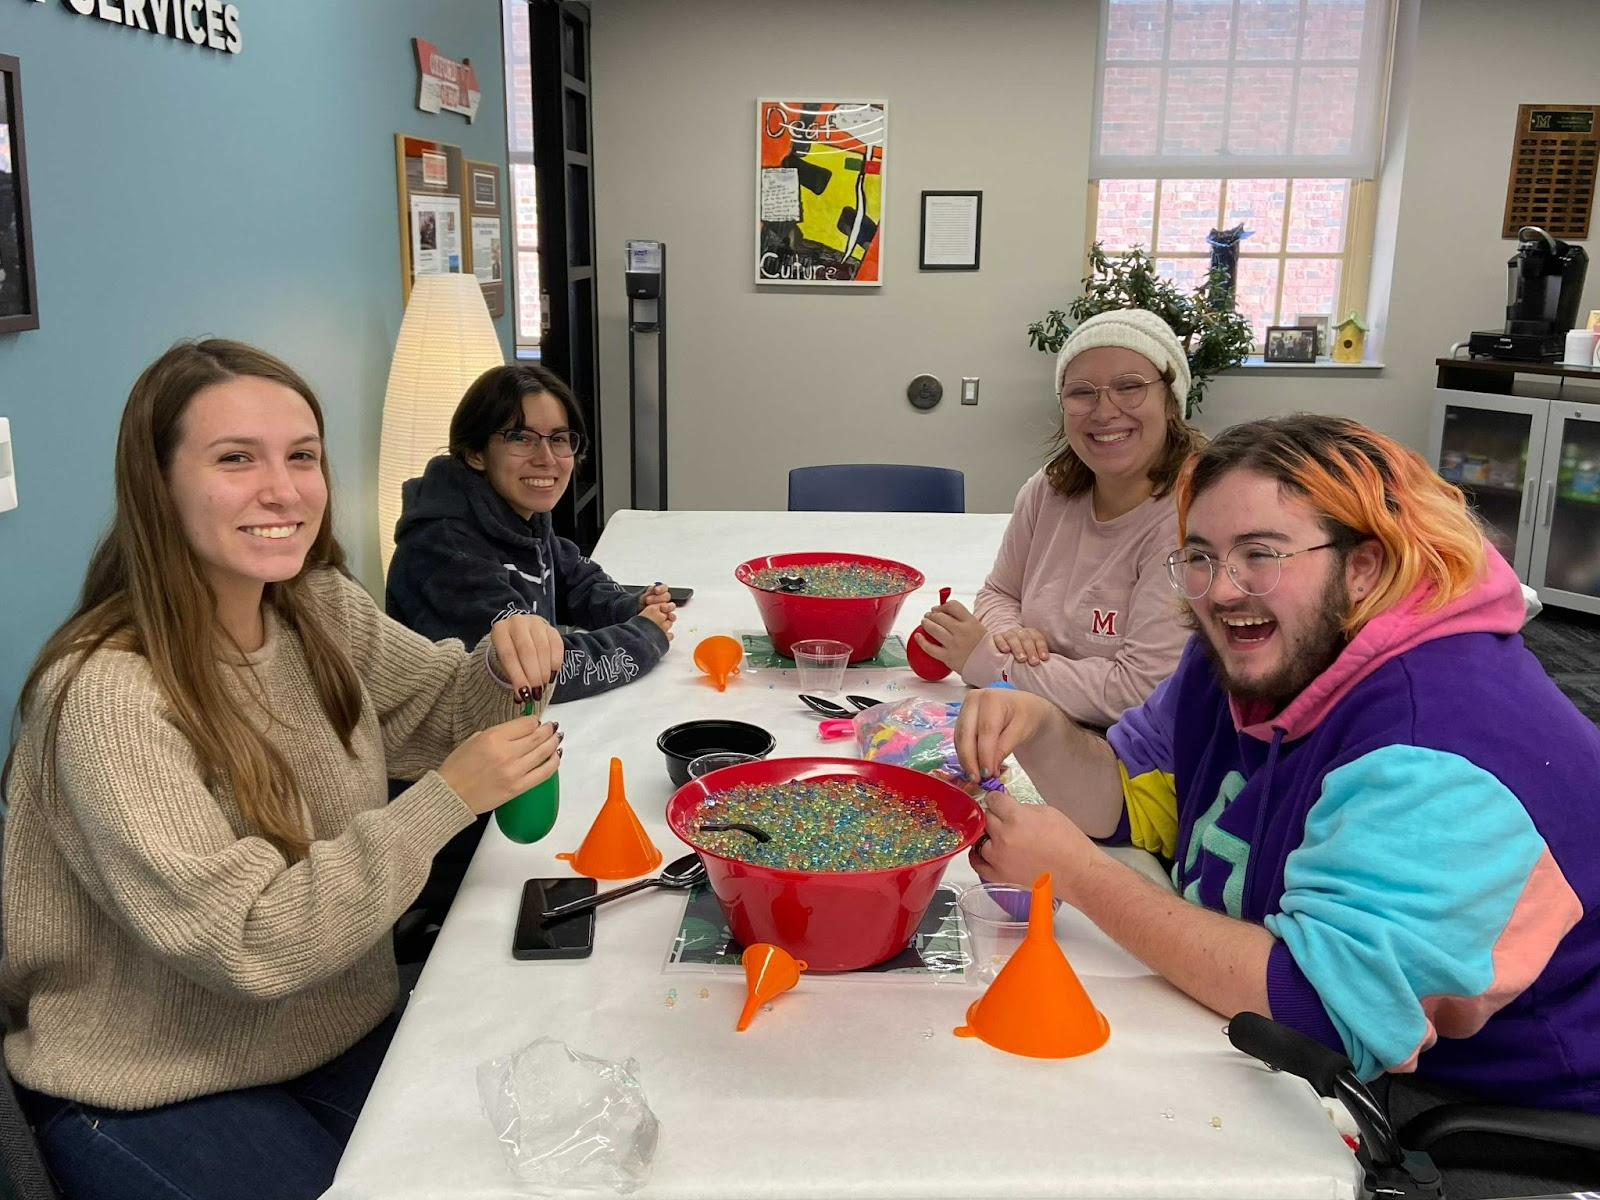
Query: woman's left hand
[
  {"x": 529, "y": 652},
  {"x": 656, "y": 593},
  {"x": 1022, "y": 841},
  {"x": 952, "y": 634}
]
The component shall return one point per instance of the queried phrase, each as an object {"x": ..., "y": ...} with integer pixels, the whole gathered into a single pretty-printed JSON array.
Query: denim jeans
[{"x": 279, "y": 1142}]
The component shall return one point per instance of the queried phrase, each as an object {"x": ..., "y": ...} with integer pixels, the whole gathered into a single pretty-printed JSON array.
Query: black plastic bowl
[{"x": 688, "y": 741}]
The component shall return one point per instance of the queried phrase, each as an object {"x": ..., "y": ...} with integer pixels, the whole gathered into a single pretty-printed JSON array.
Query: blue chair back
[{"x": 876, "y": 487}]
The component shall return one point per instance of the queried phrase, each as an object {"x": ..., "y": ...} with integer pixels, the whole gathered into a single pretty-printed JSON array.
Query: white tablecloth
[{"x": 847, "y": 1087}]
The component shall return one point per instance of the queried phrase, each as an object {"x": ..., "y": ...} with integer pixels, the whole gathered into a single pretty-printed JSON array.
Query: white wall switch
[
  {"x": 8, "y": 474},
  {"x": 969, "y": 389}
]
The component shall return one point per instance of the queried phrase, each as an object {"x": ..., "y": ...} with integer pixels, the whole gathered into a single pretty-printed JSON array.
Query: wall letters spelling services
[{"x": 208, "y": 23}]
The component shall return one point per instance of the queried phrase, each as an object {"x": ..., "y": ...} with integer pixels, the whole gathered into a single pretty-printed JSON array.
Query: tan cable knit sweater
[{"x": 153, "y": 951}]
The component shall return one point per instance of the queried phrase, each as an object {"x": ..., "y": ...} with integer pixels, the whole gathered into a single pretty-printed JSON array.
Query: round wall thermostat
[{"x": 925, "y": 392}]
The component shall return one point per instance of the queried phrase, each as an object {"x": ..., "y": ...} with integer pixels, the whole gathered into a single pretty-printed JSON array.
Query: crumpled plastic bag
[{"x": 567, "y": 1120}]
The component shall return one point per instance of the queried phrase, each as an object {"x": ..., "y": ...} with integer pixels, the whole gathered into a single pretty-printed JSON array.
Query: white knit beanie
[{"x": 1135, "y": 329}]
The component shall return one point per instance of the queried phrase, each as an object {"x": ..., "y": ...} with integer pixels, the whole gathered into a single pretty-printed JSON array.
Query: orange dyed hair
[{"x": 1363, "y": 485}]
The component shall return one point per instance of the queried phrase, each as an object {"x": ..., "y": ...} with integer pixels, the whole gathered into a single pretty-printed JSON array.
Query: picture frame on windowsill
[
  {"x": 19, "y": 297},
  {"x": 1290, "y": 344}
]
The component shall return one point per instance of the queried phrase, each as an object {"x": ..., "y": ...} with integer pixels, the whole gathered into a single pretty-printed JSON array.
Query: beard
[{"x": 1307, "y": 654}]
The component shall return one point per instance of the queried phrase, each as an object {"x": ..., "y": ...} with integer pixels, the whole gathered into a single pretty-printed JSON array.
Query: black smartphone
[
  {"x": 680, "y": 595},
  {"x": 567, "y": 937}
]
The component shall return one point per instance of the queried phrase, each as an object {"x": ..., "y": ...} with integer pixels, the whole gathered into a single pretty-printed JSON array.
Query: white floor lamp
[{"x": 446, "y": 341}]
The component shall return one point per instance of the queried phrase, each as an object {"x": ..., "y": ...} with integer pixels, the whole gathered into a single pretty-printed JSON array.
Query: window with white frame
[
  {"x": 528, "y": 298},
  {"x": 1210, "y": 113}
]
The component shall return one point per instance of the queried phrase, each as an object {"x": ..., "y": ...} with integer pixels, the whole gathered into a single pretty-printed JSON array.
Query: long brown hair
[
  {"x": 1070, "y": 476},
  {"x": 1363, "y": 485},
  {"x": 146, "y": 592}
]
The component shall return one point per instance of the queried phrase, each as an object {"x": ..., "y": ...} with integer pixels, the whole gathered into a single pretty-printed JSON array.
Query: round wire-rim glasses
[
  {"x": 1080, "y": 397},
  {"x": 525, "y": 443},
  {"x": 1254, "y": 567}
]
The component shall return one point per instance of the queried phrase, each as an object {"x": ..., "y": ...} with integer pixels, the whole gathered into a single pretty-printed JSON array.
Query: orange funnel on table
[
  {"x": 718, "y": 656},
  {"x": 616, "y": 846},
  {"x": 768, "y": 971},
  {"x": 1036, "y": 1006},
  {"x": 923, "y": 663}
]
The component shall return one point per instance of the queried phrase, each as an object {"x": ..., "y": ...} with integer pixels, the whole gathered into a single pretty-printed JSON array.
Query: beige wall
[{"x": 995, "y": 96}]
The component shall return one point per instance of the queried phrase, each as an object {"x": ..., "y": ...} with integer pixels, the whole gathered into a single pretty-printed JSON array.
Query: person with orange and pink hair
[{"x": 1379, "y": 809}]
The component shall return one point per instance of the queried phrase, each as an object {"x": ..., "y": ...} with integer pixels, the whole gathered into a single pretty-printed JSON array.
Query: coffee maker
[{"x": 1543, "y": 294}]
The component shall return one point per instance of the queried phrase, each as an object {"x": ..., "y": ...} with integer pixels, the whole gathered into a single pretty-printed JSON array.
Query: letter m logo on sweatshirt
[{"x": 1103, "y": 623}]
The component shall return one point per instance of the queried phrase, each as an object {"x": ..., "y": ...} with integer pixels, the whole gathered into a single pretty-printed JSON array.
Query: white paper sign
[
  {"x": 780, "y": 194},
  {"x": 435, "y": 235},
  {"x": 949, "y": 231},
  {"x": 486, "y": 249}
]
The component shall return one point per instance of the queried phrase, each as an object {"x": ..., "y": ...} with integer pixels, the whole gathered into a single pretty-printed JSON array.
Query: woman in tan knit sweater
[{"x": 201, "y": 862}]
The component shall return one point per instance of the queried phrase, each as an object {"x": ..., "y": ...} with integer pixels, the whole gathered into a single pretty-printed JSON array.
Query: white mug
[{"x": 1580, "y": 351}]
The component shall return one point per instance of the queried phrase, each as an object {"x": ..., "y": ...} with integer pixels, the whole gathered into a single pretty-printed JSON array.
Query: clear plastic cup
[
  {"x": 715, "y": 760},
  {"x": 821, "y": 662},
  {"x": 996, "y": 917}
]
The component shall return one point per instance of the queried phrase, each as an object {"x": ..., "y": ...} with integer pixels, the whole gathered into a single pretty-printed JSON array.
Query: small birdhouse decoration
[{"x": 1350, "y": 340}]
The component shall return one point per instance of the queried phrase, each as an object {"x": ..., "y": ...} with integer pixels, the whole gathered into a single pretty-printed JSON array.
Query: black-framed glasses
[
  {"x": 1254, "y": 567},
  {"x": 524, "y": 443},
  {"x": 1080, "y": 397}
]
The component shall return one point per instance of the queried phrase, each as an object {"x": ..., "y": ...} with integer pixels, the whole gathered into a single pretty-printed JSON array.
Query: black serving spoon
[
  {"x": 680, "y": 873},
  {"x": 828, "y": 708},
  {"x": 760, "y": 835}
]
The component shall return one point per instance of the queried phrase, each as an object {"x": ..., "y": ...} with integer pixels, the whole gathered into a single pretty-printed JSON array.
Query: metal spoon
[
  {"x": 829, "y": 709},
  {"x": 680, "y": 873}
]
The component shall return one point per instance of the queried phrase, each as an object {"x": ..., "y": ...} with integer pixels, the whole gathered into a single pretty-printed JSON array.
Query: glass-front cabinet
[
  {"x": 1491, "y": 447},
  {"x": 1566, "y": 547},
  {"x": 1522, "y": 441}
]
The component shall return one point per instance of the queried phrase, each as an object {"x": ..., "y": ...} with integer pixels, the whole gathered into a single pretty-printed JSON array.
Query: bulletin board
[
  {"x": 435, "y": 232},
  {"x": 487, "y": 252}
]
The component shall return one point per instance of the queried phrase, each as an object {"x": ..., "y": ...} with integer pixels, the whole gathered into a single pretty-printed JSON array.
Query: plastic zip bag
[{"x": 569, "y": 1121}]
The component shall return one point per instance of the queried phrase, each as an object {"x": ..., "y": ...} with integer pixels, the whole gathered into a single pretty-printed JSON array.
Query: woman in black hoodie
[{"x": 474, "y": 540}]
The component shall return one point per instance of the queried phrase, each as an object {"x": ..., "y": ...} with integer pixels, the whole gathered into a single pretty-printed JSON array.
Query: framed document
[
  {"x": 19, "y": 302},
  {"x": 952, "y": 229}
]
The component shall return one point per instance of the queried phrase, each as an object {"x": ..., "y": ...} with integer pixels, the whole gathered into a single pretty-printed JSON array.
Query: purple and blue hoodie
[{"x": 1419, "y": 829}]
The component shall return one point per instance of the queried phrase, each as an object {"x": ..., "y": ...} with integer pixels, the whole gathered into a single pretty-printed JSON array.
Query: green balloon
[{"x": 528, "y": 817}]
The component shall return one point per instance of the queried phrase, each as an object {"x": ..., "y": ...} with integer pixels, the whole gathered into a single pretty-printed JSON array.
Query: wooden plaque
[{"x": 1553, "y": 159}]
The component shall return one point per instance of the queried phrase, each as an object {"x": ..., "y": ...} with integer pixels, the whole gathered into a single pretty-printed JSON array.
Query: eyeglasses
[
  {"x": 525, "y": 443},
  {"x": 1127, "y": 392},
  {"x": 1254, "y": 568}
]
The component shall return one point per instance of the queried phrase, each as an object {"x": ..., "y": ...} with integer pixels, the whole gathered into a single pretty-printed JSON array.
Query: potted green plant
[{"x": 1215, "y": 335}]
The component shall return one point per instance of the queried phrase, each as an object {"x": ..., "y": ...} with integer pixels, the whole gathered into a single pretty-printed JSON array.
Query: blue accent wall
[{"x": 179, "y": 191}]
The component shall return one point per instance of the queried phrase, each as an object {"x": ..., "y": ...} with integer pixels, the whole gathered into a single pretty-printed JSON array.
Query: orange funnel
[
  {"x": 616, "y": 846},
  {"x": 718, "y": 656},
  {"x": 1036, "y": 1006},
  {"x": 768, "y": 971}
]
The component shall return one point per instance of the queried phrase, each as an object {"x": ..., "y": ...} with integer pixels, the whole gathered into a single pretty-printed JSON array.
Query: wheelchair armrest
[{"x": 1557, "y": 1126}]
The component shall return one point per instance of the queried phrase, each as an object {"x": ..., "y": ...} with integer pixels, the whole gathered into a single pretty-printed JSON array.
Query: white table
[{"x": 847, "y": 1087}]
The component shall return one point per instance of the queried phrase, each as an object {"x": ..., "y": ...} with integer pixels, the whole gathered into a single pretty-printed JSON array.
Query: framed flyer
[
  {"x": 435, "y": 237},
  {"x": 486, "y": 232},
  {"x": 820, "y": 192},
  {"x": 19, "y": 301},
  {"x": 952, "y": 226}
]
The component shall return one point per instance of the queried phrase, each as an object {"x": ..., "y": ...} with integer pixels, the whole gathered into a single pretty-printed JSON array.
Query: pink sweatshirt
[{"x": 1097, "y": 590}]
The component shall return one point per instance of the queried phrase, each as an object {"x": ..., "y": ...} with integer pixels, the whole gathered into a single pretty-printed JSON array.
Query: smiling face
[
  {"x": 534, "y": 483},
  {"x": 1270, "y": 647},
  {"x": 1119, "y": 447},
  {"x": 247, "y": 482}
]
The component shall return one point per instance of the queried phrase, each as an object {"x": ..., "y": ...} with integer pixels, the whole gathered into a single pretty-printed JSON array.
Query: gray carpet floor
[{"x": 1568, "y": 644}]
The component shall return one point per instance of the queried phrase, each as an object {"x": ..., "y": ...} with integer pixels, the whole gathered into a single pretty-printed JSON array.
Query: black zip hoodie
[{"x": 463, "y": 559}]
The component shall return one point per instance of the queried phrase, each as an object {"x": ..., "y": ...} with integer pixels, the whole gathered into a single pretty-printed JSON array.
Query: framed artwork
[
  {"x": 1291, "y": 343},
  {"x": 952, "y": 227},
  {"x": 434, "y": 235},
  {"x": 820, "y": 192},
  {"x": 486, "y": 245},
  {"x": 19, "y": 300},
  {"x": 1323, "y": 324}
]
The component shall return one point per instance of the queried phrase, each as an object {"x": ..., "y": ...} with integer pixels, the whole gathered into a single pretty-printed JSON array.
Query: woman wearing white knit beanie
[{"x": 1077, "y": 607}]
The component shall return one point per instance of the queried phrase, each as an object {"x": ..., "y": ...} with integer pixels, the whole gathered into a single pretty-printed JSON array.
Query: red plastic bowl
[
  {"x": 860, "y": 621},
  {"x": 834, "y": 920}
]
